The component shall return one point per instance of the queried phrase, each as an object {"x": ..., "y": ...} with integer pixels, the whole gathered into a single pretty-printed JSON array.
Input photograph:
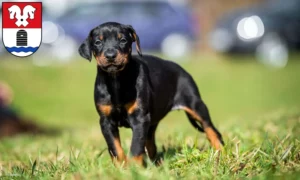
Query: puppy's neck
[
  {"x": 118, "y": 84},
  {"x": 115, "y": 75}
]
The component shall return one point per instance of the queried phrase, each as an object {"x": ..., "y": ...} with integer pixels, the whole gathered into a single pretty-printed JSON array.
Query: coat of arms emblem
[{"x": 22, "y": 27}]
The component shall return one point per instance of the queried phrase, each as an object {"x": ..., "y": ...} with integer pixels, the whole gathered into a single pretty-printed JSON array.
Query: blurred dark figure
[{"x": 11, "y": 123}]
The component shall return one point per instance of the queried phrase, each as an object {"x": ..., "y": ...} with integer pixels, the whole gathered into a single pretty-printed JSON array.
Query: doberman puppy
[{"x": 137, "y": 91}]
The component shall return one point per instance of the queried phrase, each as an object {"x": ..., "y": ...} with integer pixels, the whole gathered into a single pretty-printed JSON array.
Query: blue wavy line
[{"x": 21, "y": 49}]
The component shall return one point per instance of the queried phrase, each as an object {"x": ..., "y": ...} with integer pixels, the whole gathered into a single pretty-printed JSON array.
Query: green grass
[{"x": 257, "y": 109}]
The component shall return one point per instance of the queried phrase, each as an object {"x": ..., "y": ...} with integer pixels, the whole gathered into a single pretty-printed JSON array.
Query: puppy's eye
[
  {"x": 98, "y": 43},
  {"x": 123, "y": 41}
]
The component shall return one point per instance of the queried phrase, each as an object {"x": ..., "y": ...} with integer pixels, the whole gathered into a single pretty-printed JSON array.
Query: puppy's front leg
[
  {"x": 110, "y": 132},
  {"x": 140, "y": 126}
]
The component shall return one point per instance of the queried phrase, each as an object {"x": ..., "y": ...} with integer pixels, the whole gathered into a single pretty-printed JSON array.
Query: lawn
[{"x": 256, "y": 108}]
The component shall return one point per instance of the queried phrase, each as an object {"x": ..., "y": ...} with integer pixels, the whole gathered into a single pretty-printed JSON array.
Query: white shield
[{"x": 21, "y": 27}]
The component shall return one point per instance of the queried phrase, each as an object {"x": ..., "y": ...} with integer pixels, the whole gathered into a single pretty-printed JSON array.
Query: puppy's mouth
[{"x": 113, "y": 68}]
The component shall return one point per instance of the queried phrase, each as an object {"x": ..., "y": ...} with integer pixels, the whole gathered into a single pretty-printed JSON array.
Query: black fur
[{"x": 157, "y": 86}]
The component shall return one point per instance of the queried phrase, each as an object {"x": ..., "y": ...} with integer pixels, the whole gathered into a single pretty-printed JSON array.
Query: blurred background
[
  {"x": 243, "y": 55},
  {"x": 267, "y": 29}
]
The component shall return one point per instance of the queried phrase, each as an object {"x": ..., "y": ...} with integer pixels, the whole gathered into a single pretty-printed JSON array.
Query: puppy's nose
[{"x": 110, "y": 54}]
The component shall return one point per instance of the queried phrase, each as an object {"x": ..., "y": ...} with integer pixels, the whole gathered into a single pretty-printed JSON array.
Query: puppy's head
[{"x": 110, "y": 43}]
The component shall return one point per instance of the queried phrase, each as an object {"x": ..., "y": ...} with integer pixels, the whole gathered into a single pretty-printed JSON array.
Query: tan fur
[
  {"x": 210, "y": 133},
  {"x": 105, "y": 109},
  {"x": 131, "y": 107}
]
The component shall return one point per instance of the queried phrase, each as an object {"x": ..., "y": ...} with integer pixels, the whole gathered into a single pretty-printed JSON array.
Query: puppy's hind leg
[
  {"x": 199, "y": 114},
  {"x": 189, "y": 100}
]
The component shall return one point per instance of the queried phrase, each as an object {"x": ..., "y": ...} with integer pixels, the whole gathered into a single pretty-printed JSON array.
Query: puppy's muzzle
[{"x": 110, "y": 55}]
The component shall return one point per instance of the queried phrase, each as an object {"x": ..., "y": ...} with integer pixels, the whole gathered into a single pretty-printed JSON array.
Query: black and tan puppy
[{"x": 138, "y": 91}]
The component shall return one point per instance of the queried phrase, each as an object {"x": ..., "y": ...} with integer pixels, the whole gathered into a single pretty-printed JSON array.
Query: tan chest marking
[
  {"x": 105, "y": 109},
  {"x": 131, "y": 107}
]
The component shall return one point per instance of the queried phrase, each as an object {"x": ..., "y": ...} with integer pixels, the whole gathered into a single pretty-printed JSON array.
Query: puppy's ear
[
  {"x": 135, "y": 38},
  {"x": 85, "y": 49}
]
